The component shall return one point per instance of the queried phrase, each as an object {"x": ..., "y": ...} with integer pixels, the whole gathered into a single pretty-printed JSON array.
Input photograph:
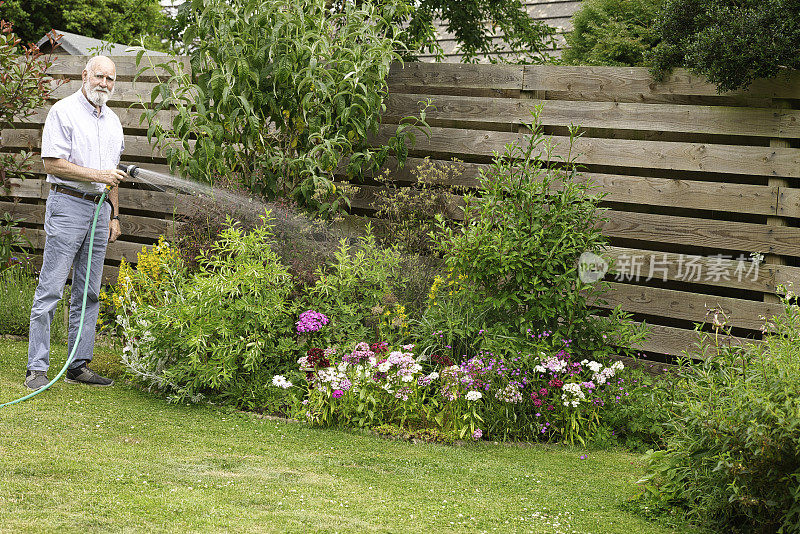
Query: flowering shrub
[
  {"x": 156, "y": 266},
  {"x": 220, "y": 333}
]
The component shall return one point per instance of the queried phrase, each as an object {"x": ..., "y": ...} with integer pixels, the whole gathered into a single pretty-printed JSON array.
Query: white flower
[
  {"x": 433, "y": 376},
  {"x": 539, "y": 369},
  {"x": 342, "y": 367},
  {"x": 408, "y": 378},
  {"x": 281, "y": 382},
  {"x": 617, "y": 365},
  {"x": 384, "y": 367},
  {"x": 473, "y": 395},
  {"x": 595, "y": 366}
]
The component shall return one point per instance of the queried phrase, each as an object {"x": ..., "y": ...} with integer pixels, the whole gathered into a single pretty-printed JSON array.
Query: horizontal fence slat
[
  {"x": 721, "y": 271},
  {"x": 165, "y": 203},
  {"x": 627, "y": 80},
  {"x": 709, "y": 233},
  {"x": 698, "y": 157},
  {"x": 125, "y": 93},
  {"x": 110, "y": 272},
  {"x": 687, "y": 306},
  {"x": 722, "y": 235},
  {"x": 72, "y": 66},
  {"x": 38, "y": 169},
  {"x": 117, "y": 250},
  {"x": 676, "y": 341},
  {"x": 463, "y": 76},
  {"x": 131, "y": 225},
  {"x": 723, "y": 120},
  {"x": 690, "y": 194}
]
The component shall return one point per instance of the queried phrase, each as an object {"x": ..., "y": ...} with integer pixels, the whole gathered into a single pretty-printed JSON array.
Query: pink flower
[
  {"x": 478, "y": 434},
  {"x": 338, "y": 393}
]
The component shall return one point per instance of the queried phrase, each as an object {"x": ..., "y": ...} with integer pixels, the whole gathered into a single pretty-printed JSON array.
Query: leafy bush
[
  {"x": 17, "y": 287},
  {"x": 732, "y": 458},
  {"x": 355, "y": 290},
  {"x": 732, "y": 42},
  {"x": 519, "y": 247},
  {"x": 612, "y": 32},
  {"x": 121, "y": 21},
  {"x": 284, "y": 92},
  {"x": 638, "y": 420},
  {"x": 221, "y": 333}
]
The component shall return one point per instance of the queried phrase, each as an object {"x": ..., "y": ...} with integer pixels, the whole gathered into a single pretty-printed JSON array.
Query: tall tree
[{"x": 119, "y": 21}]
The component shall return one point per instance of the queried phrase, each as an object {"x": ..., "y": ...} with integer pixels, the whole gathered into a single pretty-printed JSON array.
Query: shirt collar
[{"x": 88, "y": 106}]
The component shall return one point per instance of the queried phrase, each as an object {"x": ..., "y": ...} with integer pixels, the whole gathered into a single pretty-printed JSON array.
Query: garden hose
[{"x": 83, "y": 307}]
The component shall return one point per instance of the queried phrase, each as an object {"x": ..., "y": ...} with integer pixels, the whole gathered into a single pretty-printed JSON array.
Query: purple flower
[
  {"x": 311, "y": 321},
  {"x": 478, "y": 434},
  {"x": 337, "y": 394}
]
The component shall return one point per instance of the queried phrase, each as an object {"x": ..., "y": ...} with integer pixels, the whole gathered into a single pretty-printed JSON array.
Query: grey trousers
[{"x": 67, "y": 223}]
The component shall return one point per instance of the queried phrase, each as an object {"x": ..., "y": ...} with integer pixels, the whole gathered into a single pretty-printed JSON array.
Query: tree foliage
[
  {"x": 732, "y": 42},
  {"x": 476, "y": 24},
  {"x": 612, "y": 32},
  {"x": 118, "y": 21}
]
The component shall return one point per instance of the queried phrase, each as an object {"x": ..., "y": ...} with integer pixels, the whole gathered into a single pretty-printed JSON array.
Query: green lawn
[{"x": 81, "y": 459}]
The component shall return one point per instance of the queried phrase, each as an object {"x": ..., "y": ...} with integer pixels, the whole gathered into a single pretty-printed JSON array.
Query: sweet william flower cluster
[{"x": 311, "y": 321}]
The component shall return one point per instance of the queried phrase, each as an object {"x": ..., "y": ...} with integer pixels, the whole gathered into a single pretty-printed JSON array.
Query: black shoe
[
  {"x": 84, "y": 375},
  {"x": 35, "y": 380}
]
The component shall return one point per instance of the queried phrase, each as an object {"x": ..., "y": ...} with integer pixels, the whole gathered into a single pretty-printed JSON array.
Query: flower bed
[{"x": 546, "y": 395}]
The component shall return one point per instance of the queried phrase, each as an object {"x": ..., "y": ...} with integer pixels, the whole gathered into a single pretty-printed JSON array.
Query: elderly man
[{"x": 81, "y": 146}]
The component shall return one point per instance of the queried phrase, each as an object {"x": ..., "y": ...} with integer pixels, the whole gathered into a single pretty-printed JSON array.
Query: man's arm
[{"x": 69, "y": 171}]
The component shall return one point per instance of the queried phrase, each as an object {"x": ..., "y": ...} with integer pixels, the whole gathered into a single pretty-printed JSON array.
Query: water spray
[{"x": 133, "y": 172}]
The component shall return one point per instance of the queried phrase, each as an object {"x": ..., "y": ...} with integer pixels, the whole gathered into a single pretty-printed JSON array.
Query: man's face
[{"x": 98, "y": 83}]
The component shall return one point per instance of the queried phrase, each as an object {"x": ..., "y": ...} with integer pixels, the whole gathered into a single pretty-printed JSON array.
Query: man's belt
[{"x": 94, "y": 197}]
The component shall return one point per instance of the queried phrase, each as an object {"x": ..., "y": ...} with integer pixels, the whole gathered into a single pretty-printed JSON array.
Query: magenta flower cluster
[{"x": 311, "y": 321}]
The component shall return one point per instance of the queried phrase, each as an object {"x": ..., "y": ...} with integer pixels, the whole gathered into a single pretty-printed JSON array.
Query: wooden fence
[{"x": 695, "y": 181}]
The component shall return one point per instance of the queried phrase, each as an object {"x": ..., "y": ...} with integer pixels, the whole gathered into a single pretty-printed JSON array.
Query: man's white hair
[{"x": 90, "y": 65}]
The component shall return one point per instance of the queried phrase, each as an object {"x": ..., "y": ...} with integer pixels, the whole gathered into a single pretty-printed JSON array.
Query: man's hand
[
  {"x": 114, "y": 230},
  {"x": 110, "y": 177}
]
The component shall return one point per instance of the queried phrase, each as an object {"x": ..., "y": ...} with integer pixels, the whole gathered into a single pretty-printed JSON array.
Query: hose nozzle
[{"x": 130, "y": 170}]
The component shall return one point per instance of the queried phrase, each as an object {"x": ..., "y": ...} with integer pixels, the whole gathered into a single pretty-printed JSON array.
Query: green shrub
[
  {"x": 355, "y": 290},
  {"x": 638, "y": 420},
  {"x": 732, "y": 42},
  {"x": 612, "y": 32},
  {"x": 221, "y": 333},
  {"x": 17, "y": 287},
  {"x": 518, "y": 250},
  {"x": 732, "y": 457}
]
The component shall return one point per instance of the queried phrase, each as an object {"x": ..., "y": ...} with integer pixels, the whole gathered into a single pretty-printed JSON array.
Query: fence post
[{"x": 775, "y": 259}]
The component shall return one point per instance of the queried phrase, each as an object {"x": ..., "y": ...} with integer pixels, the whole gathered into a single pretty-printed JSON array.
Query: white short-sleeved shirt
[{"x": 76, "y": 132}]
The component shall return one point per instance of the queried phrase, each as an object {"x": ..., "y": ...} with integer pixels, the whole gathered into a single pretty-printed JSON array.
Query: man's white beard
[{"x": 97, "y": 96}]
